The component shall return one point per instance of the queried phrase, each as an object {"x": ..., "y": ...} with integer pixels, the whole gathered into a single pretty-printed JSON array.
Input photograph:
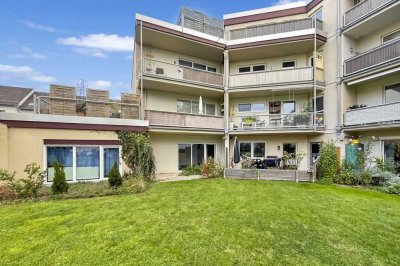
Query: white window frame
[
  {"x": 286, "y": 101},
  {"x": 191, "y": 107},
  {"x": 252, "y": 148},
  {"x": 205, "y": 150},
  {"x": 251, "y": 107},
  {"x": 384, "y": 91},
  {"x": 390, "y": 33},
  {"x": 291, "y": 60},
  {"x": 251, "y": 68},
  {"x": 101, "y": 160},
  {"x": 200, "y": 63}
]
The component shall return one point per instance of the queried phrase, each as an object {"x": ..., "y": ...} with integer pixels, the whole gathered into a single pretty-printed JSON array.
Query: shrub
[
  {"x": 137, "y": 154},
  {"x": 210, "y": 168},
  {"x": 393, "y": 189},
  {"x": 114, "y": 177},
  {"x": 191, "y": 170},
  {"x": 138, "y": 184},
  {"x": 27, "y": 187},
  {"x": 328, "y": 163},
  {"x": 60, "y": 184}
]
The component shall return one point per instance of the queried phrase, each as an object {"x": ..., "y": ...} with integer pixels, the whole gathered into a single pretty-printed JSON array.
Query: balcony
[
  {"x": 182, "y": 120},
  {"x": 369, "y": 16},
  {"x": 381, "y": 55},
  {"x": 278, "y": 122},
  {"x": 283, "y": 76},
  {"x": 384, "y": 114},
  {"x": 170, "y": 71},
  {"x": 274, "y": 28}
]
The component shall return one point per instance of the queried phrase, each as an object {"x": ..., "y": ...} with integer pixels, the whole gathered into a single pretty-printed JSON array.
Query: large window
[
  {"x": 251, "y": 107},
  {"x": 288, "y": 64},
  {"x": 194, "y": 154},
  {"x": 62, "y": 155},
  {"x": 253, "y": 149},
  {"x": 192, "y": 107},
  {"x": 392, "y": 93},
  {"x": 392, "y": 152},
  {"x": 289, "y": 107},
  {"x": 82, "y": 162},
  {"x": 199, "y": 66}
]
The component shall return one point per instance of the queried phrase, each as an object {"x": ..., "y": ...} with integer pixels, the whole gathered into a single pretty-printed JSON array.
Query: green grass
[{"x": 207, "y": 222}]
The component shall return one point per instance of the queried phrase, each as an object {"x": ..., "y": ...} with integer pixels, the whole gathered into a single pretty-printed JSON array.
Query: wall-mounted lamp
[
  {"x": 279, "y": 147},
  {"x": 351, "y": 50}
]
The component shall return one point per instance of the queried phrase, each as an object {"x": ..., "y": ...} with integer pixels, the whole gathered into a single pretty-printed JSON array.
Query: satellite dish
[{"x": 81, "y": 87}]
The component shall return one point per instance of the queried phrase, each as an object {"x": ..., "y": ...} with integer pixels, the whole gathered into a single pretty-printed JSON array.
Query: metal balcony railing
[
  {"x": 362, "y": 9},
  {"x": 173, "y": 119},
  {"x": 274, "y": 28},
  {"x": 379, "y": 114},
  {"x": 382, "y": 54}
]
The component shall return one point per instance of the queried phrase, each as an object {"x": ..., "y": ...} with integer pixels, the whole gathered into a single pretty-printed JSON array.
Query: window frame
[
  {"x": 251, "y": 107},
  {"x": 288, "y": 101},
  {"x": 74, "y": 163},
  {"x": 390, "y": 33},
  {"x": 205, "y": 144},
  {"x": 252, "y": 68},
  {"x": 384, "y": 92},
  {"x": 287, "y": 61},
  {"x": 191, "y": 107},
  {"x": 252, "y": 148},
  {"x": 198, "y": 63}
]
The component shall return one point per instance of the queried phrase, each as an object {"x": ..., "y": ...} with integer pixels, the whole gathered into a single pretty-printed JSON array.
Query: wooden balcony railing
[
  {"x": 369, "y": 59},
  {"x": 177, "y": 72},
  {"x": 172, "y": 119},
  {"x": 379, "y": 114},
  {"x": 274, "y": 28},
  {"x": 277, "y": 121},
  {"x": 275, "y": 77},
  {"x": 362, "y": 9}
]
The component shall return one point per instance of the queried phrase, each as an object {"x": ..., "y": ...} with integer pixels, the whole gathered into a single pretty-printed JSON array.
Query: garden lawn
[{"x": 207, "y": 222}]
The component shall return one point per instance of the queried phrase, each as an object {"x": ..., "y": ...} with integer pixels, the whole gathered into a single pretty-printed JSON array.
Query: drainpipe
[
  {"x": 339, "y": 47},
  {"x": 141, "y": 72},
  {"x": 226, "y": 107},
  {"x": 315, "y": 74}
]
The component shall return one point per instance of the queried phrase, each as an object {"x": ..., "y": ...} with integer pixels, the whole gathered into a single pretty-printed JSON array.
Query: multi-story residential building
[
  {"x": 264, "y": 71},
  {"x": 371, "y": 75},
  {"x": 257, "y": 71}
]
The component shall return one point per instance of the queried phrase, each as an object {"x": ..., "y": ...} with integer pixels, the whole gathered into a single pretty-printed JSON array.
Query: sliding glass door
[{"x": 194, "y": 154}]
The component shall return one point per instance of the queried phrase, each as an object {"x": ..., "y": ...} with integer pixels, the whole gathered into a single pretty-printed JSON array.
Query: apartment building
[{"x": 276, "y": 79}]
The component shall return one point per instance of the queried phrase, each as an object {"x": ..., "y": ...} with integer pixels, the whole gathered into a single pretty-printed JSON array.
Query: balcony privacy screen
[{"x": 198, "y": 21}]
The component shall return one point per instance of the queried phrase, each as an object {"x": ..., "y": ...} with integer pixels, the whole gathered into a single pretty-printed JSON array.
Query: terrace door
[{"x": 314, "y": 151}]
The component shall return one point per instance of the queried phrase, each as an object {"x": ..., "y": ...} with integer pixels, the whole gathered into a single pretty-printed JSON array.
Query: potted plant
[
  {"x": 80, "y": 108},
  {"x": 302, "y": 119},
  {"x": 249, "y": 120}
]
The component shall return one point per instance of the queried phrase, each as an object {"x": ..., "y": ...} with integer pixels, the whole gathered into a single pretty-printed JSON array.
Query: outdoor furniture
[
  {"x": 62, "y": 100},
  {"x": 128, "y": 111},
  {"x": 97, "y": 109},
  {"x": 272, "y": 162}
]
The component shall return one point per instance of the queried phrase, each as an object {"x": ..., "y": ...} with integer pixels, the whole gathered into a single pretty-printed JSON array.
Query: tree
[{"x": 60, "y": 184}]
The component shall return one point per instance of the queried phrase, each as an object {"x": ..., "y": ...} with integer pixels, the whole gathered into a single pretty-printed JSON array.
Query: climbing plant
[{"x": 137, "y": 153}]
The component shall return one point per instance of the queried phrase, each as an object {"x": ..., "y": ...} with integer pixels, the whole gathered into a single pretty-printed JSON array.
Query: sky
[{"x": 46, "y": 42}]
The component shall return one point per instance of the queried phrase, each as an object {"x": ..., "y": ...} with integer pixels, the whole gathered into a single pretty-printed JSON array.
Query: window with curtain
[
  {"x": 64, "y": 156},
  {"x": 111, "y": 156},
  {"x": 87, "y": 163}
]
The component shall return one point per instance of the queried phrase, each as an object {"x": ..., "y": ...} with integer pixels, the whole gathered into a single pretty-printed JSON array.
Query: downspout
[
  {"x": 315, "y": 74},
  {"x": 141, "y": 72},
  {"x": 339, "y": 46},
  {"x": 226, "y": 108}
]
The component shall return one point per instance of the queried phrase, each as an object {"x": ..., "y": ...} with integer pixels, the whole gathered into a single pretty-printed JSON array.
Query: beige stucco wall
[
  {"x": 165, "y": 146},
  {"x": 25, "y": 145},
  {"x": 166, "y": 101},
  {"x": 3, "y": 146},
  {"x": 372, "y": 93},
  {"x": 274, "y": 63}
]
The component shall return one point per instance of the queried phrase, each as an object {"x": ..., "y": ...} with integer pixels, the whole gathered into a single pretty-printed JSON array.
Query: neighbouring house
[
  {"x": 16, "y": 99},
  {"x": 78, "y": 131}
]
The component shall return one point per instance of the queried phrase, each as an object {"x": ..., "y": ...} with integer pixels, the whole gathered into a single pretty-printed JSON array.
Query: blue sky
[{"x": 61, "y": 41}]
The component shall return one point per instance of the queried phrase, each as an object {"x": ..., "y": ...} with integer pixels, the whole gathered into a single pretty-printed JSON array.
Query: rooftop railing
[
  {"x": 362, "y": 9},
  {"x": 274, "y": 28},
  {"x": 382, "y": 54},
  {"x": 174, "y": 71}
]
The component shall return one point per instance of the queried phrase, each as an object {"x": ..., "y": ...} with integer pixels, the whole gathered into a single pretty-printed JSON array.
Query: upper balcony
[
  {"x": 161, "y": 75},
  {"x": 384, "y": 115},
  {"x": 369, "y": 16},
  {"x": 282, "y": 38},
  {"x": 183, "y": 121},
  {"x": 382, "y": 57},
  {"x": 301, "y": 75}
]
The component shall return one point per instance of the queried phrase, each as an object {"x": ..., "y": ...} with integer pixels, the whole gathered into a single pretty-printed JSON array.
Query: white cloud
[
  {"x": 37, "y": 26},
  {"x": 115, "y": 88},
  {"x": 97, "y": 45},
  {"x": 284, "y": 2},
  {"x": 9, "y": 72},
  {"x": 102, "y": 83},
  {"x": 128, "y": 57},
  {"x": 28, "y": 53}
]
